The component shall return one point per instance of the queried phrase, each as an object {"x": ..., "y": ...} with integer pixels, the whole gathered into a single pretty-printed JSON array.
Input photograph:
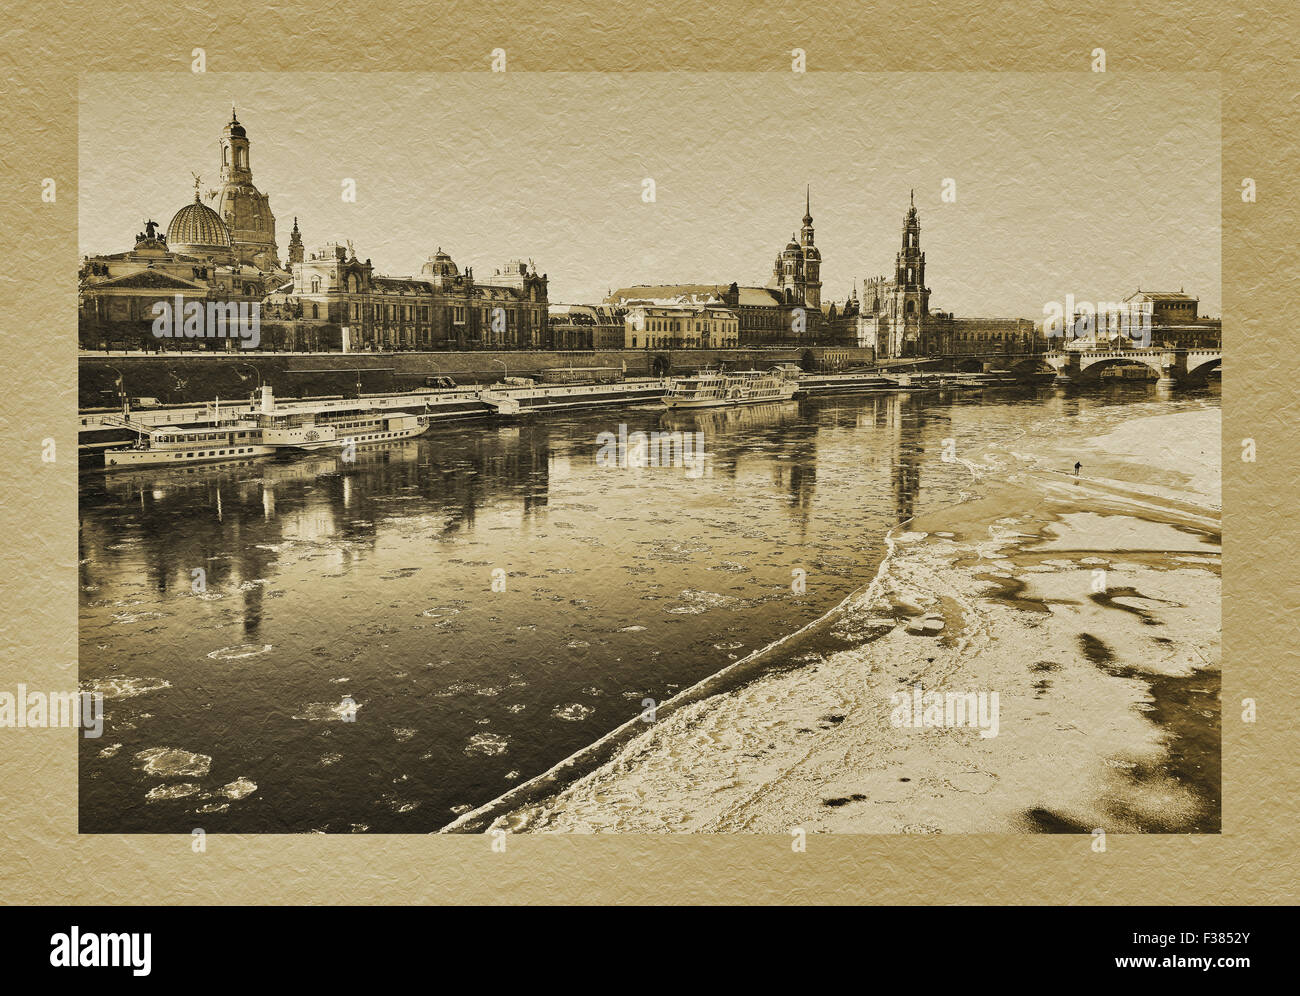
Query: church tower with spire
[
  {"x": 909, "y": 269},
  {"x": 812, "y": 258},
  {"x": 895, "y": 314},
  {"x": 295, "y": 244},
  {"x": 234, "y": 153},
  {"x": 245, "y": 209},
  {"x": 796, "y": 273}
]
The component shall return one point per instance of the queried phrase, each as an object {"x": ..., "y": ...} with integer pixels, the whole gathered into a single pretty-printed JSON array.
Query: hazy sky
[{"x": 1091, "y": 184}]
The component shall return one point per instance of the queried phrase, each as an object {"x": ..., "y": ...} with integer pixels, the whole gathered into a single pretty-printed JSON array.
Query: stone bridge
[{"x": 1172, "y": 366}]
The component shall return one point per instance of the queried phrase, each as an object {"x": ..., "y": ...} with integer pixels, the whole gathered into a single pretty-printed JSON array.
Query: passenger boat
[
  {"x": 170, "y": 444},
  {"x": 712, "y": 389},
  {"x": 246, "y": 438},
  {"x": 263, "y": 434},
  {"x": 312, "y": 432}
]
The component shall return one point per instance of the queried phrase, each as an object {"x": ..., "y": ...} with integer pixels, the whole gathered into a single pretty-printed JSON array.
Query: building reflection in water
[
  {"x": 777, "y": 434},
  {"x": 235, "y": 520},
  {"x": 908, "y": 422},
  {"x": 232, "y": 519},
  {"x": 900, "y": 420}
]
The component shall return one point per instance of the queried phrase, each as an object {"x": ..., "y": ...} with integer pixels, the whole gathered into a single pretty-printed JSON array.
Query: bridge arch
[
  {"x": 1200, "y": 364},
  {"x": 1031, "y": 364},
  {"x": 1093, "y": 367}
]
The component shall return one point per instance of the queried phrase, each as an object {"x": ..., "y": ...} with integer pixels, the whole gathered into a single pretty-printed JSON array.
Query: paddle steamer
[
  {"x": 714, "y": 389},
  {"x": 263, "y": 434}
]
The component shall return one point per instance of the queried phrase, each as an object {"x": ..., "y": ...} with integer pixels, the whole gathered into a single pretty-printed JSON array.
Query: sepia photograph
[
  {"x": 660, "y": 453},
  {"x": 648, "y": 455}
]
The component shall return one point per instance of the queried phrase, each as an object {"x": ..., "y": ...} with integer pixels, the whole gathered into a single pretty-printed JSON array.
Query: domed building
[
  {"x": 441, "y": 268},
  {"x": 245, "y": 210},
  {"x": 196, "y": 230},
  {"x": 118, "y": 293}
]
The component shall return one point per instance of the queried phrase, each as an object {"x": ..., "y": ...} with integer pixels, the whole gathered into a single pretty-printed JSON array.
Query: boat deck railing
[
  {"x": 429, "y": 400},
  {"x": 123, "y": 422}
]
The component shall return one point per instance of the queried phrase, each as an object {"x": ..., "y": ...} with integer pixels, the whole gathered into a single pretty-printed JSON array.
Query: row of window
[
  {"x": 200, "y": 437},
  {"x": 675, "y": 325},
  {"x": 233, "y": 452},
  {"x": 249, "y": 449},
  {"x": 665, "y": 341},
  {"x": 352, "y": 425},
  {"x": 408, "y": 313},
  {"x": 764, "y": 319},
  {"x": 985, "y": 336}
]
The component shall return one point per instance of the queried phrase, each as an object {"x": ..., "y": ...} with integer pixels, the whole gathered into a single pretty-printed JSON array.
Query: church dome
[
  {"x": 196, "y": 228},
  {"x": 246, "y": 213},
  {"x": 440, "y": 264}
]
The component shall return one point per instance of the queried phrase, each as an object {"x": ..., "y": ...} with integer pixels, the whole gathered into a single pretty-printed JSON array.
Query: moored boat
[
  {"x": 169, "y": 444},
  {"x": 267, "y": 432},
  {"x": 311, "y": 432},
  {"x": 713, "y": 389}
]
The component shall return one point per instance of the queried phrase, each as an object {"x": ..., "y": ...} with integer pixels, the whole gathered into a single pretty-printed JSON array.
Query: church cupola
[
  {"x": 234, "y": 153},
  {"x": 245, "y": 209}
]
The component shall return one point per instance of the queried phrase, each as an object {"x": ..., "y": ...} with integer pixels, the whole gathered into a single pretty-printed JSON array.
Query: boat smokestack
[{"x": 268, "y": 400}]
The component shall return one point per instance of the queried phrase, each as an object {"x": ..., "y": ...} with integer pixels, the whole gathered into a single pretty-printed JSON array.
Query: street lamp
[{"x": 505, "y": 372}]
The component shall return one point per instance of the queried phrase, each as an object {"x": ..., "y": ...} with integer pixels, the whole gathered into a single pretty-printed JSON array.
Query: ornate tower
[
  {"x": 811, "y": 291},
  {"x": 909, "y": 273},
  {"x": 234, "y": 153},
  {"x": 245, "y": 209},
  {"x": 796, "y": 271},
  {"x": 911, "y": 298},
  {"x": 806, "y": 233},
  {"x": 295, "y": 244}
]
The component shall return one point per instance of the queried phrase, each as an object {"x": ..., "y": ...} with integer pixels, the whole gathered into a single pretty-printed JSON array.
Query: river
[{"x": 312, "y": 644}]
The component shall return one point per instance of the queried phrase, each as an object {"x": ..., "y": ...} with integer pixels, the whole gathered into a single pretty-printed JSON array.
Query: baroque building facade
[
  {"x": 339, "y": 302},
  {"x": 1176, "y": 320},
  {"x": 785, "y": 312},
  {"x": 118, "y": 292},
  {"x": 688, "y": 325},
  {"x": 1172, "y": 320},
  {"x": 323, "y": 300}
]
